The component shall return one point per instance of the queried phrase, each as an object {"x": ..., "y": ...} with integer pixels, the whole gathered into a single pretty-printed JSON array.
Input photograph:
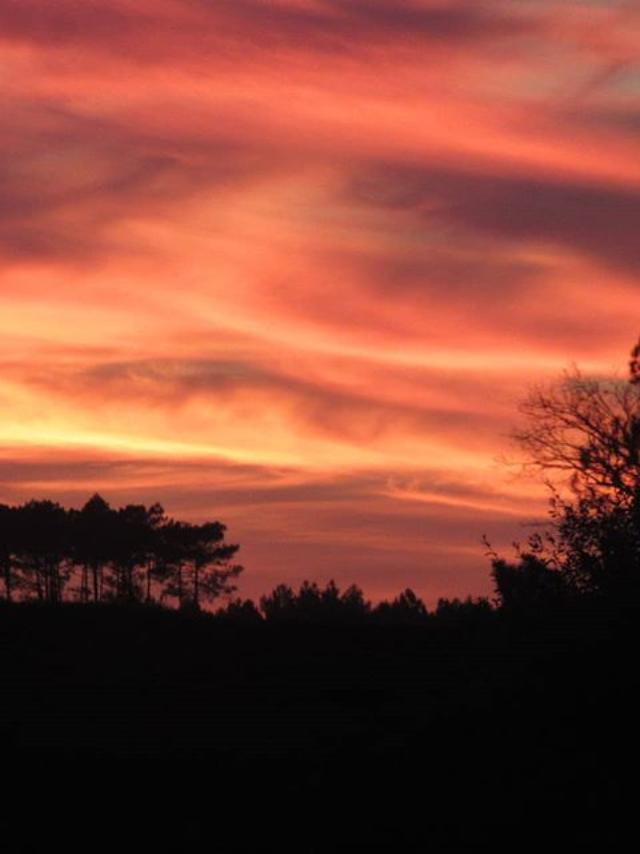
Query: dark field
[{"x": 143, "y": 727}]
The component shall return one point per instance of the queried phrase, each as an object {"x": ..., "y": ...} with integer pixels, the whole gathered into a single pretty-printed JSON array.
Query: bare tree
[{"x": 587, "y": 430}]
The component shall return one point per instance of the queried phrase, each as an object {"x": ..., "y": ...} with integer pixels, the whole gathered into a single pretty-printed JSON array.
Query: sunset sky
[{"x": 292, "y": 263}]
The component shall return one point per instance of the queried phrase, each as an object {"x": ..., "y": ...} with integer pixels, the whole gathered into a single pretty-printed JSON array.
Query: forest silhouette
[{"x": 315, "y": 720}]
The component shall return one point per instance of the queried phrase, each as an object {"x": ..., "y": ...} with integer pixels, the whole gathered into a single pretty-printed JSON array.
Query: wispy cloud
[{"x": 292, "y": 263}]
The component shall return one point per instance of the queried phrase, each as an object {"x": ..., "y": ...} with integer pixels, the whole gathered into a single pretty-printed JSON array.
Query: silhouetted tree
[
  {"x": 241, "y": 611},
  {"x": 530, "y": 583},
  {"x": 130, "y": 554},
  {"x": 93, "y": 532},
  {"x": 280, "y": 604},
  {"x": 404, "y": 609},
  {"x": 131, "y": 550},
  {"x": 597, "y": 544},
  {"x": 353, "y": 605},
  {"x": 212, "y": 573},
  {"x": 174, "y": 551},
  {"x": 312, "y": 604},
  {"x": 588, "y": 430},
  {"x": 43, "y": 535},
  {"x": 469, "y": 610},
  {"x": 196, "y": 562},
  {"x": 7, "y": 548},
  {"x": 151, "y": 546}
]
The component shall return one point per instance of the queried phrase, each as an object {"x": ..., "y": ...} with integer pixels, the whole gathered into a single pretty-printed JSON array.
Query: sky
[{"x": 291, "y": 264}]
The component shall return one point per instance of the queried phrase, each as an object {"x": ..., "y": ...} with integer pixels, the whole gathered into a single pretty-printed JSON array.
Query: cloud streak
[{"x": 292, "y": 263}]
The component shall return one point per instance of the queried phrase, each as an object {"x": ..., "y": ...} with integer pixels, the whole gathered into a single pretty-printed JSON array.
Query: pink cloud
[{"x": 291, "y": 264}]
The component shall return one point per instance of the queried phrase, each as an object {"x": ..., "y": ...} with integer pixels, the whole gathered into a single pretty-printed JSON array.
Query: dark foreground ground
[{"x": 144, "y": 730}]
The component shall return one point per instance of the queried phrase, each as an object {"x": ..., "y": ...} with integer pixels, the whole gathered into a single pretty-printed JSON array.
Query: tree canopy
[
  {"x": 587, "y": 430},
  {"x": 99, "y": 553}
]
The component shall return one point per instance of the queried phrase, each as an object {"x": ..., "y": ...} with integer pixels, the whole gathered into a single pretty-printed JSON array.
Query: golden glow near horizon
[{"x": 291, "y": 264}]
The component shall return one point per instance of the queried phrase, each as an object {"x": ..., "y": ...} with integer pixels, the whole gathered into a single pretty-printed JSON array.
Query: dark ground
[{"x": 146, "y": 730}]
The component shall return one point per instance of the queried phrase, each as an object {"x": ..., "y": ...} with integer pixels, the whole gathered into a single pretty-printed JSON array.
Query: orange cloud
[{"x": 292, "y": 263}]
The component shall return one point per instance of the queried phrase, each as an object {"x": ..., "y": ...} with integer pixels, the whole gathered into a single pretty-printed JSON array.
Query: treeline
[
  {"x": 312, "y": 603},
  {"x": 98, "y": 554},
  {"x": 138, "y": 554}
]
